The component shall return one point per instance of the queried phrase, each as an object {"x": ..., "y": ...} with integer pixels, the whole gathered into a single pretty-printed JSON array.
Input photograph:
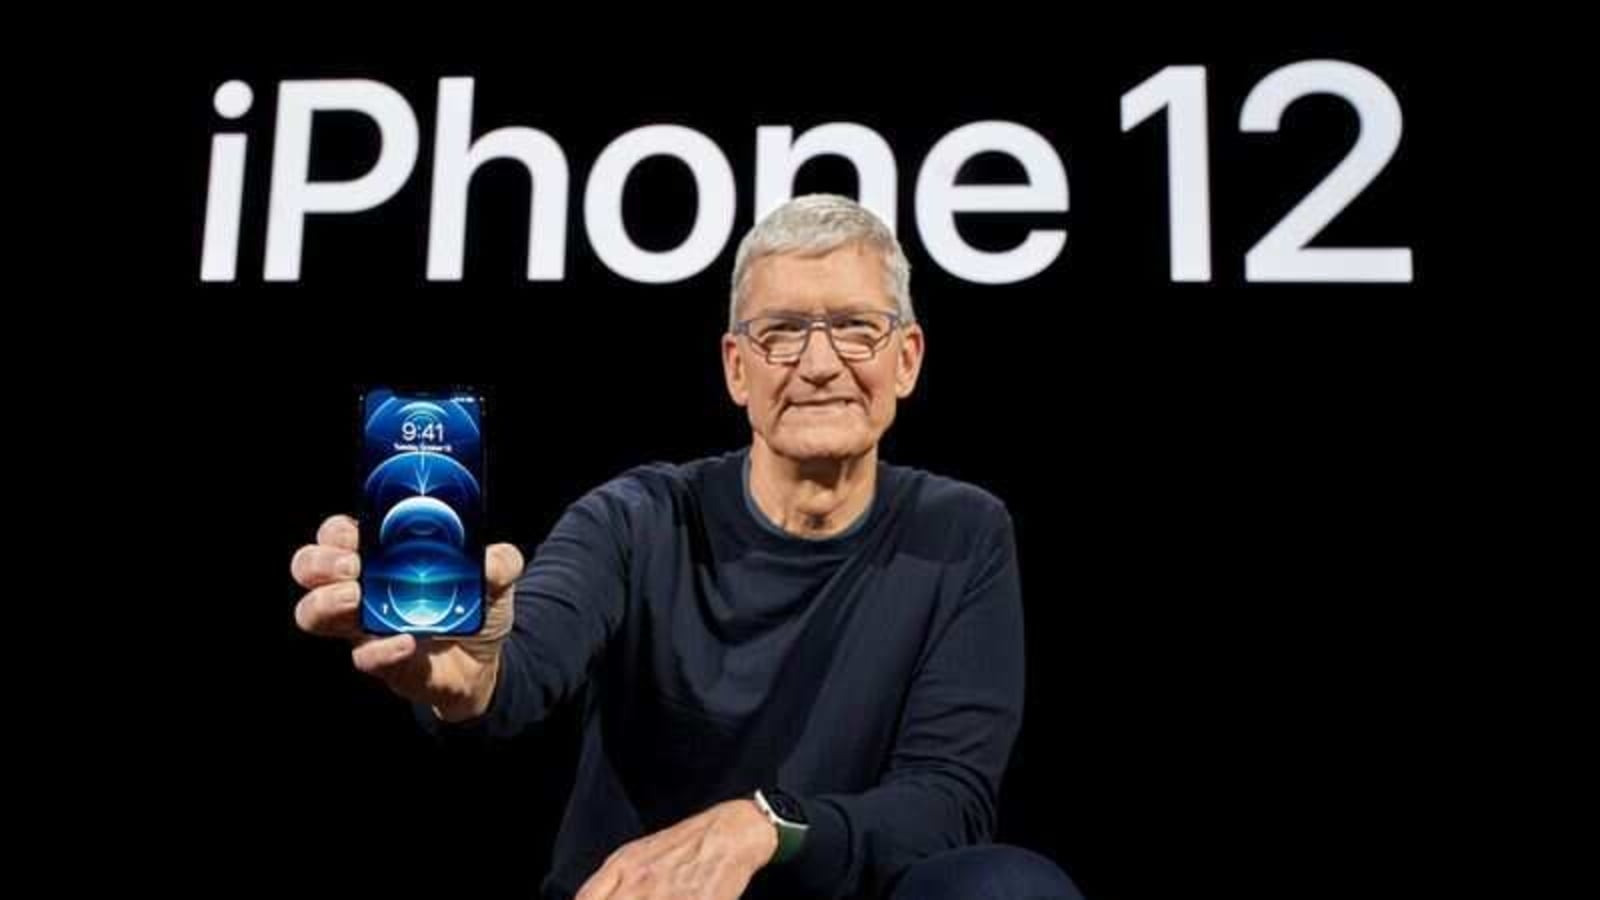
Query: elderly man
[{"x": 800, "y": 667}]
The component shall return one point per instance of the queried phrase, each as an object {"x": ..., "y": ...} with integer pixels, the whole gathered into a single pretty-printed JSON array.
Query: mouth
[
  {"x": 821, "y": 407},
  {"x": 825, "y": 404}
]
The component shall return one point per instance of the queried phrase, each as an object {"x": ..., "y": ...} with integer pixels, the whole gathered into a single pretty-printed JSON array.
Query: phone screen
[{"x": 422, "y": 513}]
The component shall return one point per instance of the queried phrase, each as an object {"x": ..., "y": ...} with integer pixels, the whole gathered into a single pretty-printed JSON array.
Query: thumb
[{"x": 502, "y": 566}]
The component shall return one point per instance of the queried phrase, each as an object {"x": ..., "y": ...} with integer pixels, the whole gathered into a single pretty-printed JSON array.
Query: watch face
[{"x": 786, "y": 807}]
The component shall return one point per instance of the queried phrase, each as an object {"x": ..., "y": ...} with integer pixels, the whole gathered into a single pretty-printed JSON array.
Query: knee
[{"x": 987, "y": 872}]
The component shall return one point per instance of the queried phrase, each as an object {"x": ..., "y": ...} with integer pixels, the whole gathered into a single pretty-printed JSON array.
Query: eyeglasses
[{"x": 856, "y": 336}]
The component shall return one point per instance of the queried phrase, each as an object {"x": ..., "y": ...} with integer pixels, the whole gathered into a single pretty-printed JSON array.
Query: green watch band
[{"x": 788, "y": 818}]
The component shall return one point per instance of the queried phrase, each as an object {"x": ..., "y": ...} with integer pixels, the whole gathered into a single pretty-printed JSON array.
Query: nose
[{"x": 819, "y": 363}]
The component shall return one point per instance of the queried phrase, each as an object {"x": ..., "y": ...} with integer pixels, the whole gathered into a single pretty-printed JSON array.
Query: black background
[{"x": 1229, "y": 497}]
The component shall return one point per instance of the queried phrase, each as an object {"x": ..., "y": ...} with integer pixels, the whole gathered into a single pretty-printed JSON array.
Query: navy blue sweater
[{"x": 876, "y": 675}]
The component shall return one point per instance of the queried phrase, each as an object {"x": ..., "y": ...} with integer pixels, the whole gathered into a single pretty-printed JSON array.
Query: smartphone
[{"x": 422, "y": 512}]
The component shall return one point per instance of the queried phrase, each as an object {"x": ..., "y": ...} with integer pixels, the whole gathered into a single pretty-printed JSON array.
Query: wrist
[
  {"x": 761, "y": 835},
  {"x": 788, "y": 819},
  {"x": 478, "y": 697}
]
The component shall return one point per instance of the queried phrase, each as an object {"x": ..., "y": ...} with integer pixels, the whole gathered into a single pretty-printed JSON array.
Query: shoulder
[
  {"x": 654, "y": 488},
  {"x": 948, "y": 509},
  {"x": 941, "y": 494}
]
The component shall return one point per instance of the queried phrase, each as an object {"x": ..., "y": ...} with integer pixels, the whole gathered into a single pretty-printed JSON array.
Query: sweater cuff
[{"x": 824, "y": 860}]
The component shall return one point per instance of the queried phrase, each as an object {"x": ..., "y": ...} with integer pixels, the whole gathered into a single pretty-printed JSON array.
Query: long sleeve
[
  {"x": 569, "y": 601},
  {"x": 961, "y": 719}
]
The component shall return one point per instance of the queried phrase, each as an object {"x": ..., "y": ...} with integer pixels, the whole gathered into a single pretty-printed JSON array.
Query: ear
[
  {"x": 908, "y": 360},
  {"x": 733, "y": 370}
]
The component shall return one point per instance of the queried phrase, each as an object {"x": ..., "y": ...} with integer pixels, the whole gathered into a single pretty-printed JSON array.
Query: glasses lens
[{"x": 856, "y": 335}]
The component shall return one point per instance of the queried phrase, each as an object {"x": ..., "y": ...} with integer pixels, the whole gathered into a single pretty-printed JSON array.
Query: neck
[{"x": 812, "y": 498}]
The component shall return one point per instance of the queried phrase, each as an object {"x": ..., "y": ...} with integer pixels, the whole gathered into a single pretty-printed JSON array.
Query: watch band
[{"x": 791, "y": 833}]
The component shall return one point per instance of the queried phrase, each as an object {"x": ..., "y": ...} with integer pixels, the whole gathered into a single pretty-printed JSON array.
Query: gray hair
[{"x": 816, "y": 224}]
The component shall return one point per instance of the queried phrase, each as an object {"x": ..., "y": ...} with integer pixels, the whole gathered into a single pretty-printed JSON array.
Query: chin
[{"x": 823, "y": 444}]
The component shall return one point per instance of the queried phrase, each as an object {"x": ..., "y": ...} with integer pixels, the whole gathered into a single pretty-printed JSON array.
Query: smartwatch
[{"x": 786, "y": 815}]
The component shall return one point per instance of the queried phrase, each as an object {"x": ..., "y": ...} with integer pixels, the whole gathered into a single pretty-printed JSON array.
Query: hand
[
  {"x": 710, "y": 856},
  {"x": 455, "y": 676}
]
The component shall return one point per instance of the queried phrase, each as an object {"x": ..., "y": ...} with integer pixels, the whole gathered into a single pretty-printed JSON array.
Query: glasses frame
[{"x": 812, "y": 323}]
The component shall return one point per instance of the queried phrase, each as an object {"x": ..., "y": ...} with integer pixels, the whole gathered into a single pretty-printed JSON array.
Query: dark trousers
[{"x": 987, "y": 872}]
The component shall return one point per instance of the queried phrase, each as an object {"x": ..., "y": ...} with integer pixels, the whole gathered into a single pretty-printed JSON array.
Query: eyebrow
[{"x": 792, "y": 311}]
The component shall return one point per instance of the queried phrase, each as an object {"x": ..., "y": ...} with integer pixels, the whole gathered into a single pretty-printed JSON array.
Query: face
[{"x": 820, "y": 406}]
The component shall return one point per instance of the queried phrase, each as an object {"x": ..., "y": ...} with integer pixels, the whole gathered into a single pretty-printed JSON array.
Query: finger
[
  {"x": 503, "y": 566},
  {"x": 330, "y": 610},
  {"x": 602, "y": 884},
  {"x": 340, "y": 532},
  {"x": 314, "y": 565},
  {"x": 425, "y": 675},
  {"x": 381, "y": 656}
]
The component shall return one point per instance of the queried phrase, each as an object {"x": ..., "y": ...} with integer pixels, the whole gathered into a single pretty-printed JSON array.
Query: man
[{"x": 800, "y": 667}]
